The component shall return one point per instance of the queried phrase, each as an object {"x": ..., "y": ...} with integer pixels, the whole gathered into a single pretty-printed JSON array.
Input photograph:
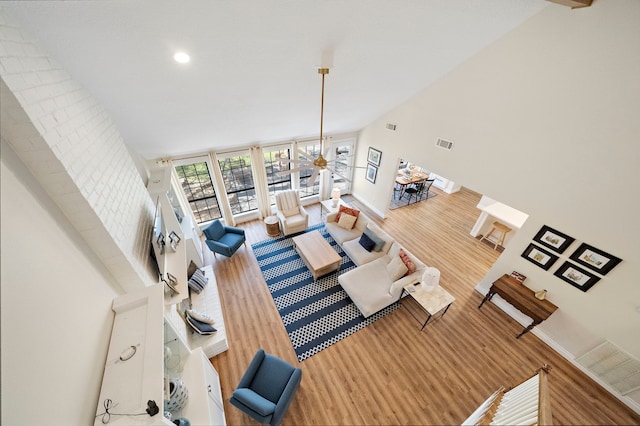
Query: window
[
  {"x": 312, "y": 150},
  {"x": 238, "y": 181},
  {"x": 197, "y": 186},
  {"x": 342, "y": 152},
  {"x": 273, "y": 166}
]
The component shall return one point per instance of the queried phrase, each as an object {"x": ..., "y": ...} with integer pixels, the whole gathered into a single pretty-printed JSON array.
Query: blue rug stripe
[
  {"x": 316, "y": 314},
  {"x": 322, "y": 314},
  {"x": 316, "y": 301},
  {"x": 308, "y": 296},
  {"x": 303, "y": 311}
]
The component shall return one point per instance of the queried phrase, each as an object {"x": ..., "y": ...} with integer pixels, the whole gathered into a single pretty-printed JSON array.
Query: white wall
[
  {"x": 72, "y": 146},
  {"x": 56, "y": 308},
  {"x": 545, "y": 120}
]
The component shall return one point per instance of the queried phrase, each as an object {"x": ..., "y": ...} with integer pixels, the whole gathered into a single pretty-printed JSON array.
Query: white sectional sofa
[{"x": 376, "y": 282}]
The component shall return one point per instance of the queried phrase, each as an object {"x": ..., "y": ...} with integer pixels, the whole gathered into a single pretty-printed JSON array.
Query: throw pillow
[
  {"x": 200, "y": 327},
  {"x": 366, "y": 242},
  {"x": 347, "y": 221},
  {"x": 378, "y": 242},
  {"x": 396, "y": 268},
  {"x": 198, "y": 281},
  {"x": 191, "y": 269},
  {"x": 199, "y": 316},
  {"x": 347, "y": 210},
  {"x": 411, "y": 266}
]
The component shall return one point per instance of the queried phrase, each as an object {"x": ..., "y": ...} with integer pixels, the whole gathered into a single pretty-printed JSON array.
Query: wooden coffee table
[{"x": 317, "y": 253}]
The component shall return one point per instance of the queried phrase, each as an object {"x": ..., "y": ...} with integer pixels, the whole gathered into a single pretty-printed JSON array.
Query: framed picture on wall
[
  {"x": 594, "y": 259},
  {"x": 577, "y": 277},
  {"x": 374, "y": 156},
  {"x": 372, "y": 172},
  {"x": 555, "y": 240},
  {"x": 539, "y": 256}
]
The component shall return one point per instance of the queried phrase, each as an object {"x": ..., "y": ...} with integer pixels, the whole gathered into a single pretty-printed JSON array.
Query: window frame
[{"x": 197, "y": 212}]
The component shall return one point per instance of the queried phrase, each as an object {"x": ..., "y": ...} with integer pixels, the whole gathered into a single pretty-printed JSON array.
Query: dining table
[{"x": 403, "y": 180}]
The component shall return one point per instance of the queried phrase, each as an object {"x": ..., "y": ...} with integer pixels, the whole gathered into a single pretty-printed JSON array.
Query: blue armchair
[
  {"x": 267, "y": 388},
  {"x": 223, "y": 239}
]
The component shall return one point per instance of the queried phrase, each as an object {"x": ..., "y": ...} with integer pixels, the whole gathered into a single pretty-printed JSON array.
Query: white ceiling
[{"x": 253, "y": 74}]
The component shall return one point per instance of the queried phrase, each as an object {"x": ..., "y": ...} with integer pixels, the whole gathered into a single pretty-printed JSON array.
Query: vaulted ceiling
[{"x": 253, "y": 75}]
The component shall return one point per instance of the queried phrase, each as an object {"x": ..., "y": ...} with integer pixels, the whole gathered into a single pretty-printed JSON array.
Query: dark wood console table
[{"x": 522, "y": 298}]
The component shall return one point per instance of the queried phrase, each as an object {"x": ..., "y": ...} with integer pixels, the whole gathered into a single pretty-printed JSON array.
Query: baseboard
[
  {"x": 371, "y": 208},
  {"x": 525, "y": 321}
]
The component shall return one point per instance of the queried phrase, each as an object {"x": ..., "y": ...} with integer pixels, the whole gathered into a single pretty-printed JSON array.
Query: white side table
[
  {"x": 326, "y": 207},
  {"x": 431, "y": 302}
]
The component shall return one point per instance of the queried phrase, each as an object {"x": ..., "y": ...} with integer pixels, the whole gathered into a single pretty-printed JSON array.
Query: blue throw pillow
[
  {"x": 378, "y": 242},
  {"x": 198, "y": 281},
  {"x": 366, "y": 242},
  {"x": 200, "y": 327}
]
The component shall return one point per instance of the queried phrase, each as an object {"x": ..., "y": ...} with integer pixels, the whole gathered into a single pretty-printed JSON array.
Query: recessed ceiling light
[{"x": 181, "y": 57}]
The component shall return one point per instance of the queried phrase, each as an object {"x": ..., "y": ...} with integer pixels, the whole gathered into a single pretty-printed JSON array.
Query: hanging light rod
[{"x": 320, "y": 161}]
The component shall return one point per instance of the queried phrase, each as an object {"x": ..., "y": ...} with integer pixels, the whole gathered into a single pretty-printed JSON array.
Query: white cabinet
[
  {"x": 133, "y": 372},
  {"x": 145, "y": 352},
  {"x": 205, "y": 406},
  {"x": 444, "y": 184}
]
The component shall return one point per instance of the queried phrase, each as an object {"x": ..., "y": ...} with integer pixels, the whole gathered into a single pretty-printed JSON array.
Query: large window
[
  {"x": 274, "y": 165},
  {"x": 311, "y": 150},
  {"x": 342, "y": 153},
  {"x": 238, "y": 181},
  {"x": 197, "y": 186}
]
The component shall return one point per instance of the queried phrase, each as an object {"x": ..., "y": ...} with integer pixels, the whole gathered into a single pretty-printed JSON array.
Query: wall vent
[
  {"x": 613, "y": 366},
  {"x": 391, "y": 126},
  {"x": 444, "y": 144}
]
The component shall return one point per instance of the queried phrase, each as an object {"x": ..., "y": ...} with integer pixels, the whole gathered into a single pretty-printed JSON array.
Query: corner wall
[
  {"x": 56, "y": 312},
  {"x": 546, "y": 121},
  {"x": 73, "y": 148}
]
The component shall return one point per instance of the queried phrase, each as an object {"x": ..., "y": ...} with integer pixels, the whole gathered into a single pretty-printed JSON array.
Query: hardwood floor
[{"x": 390, "y": 372}]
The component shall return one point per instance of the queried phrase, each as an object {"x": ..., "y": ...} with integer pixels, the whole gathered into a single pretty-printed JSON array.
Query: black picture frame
[
  {"x": 539, "y": 256},
  {"x": 594, "y": 259},
  {"x": 371, "y": 173},
  {"x": 577, "y": 277},
  {"x": 374, "y": 156},
  {"x": 553, "y": 239}
]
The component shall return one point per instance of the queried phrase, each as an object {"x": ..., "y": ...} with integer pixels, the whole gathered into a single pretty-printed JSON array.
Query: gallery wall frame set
[
  {"x": 373, "y": 162},
  {"x": 586, "y": 255}
]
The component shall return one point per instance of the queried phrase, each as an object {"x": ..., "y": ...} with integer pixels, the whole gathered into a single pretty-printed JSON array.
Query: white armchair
[{"x": 292, "y": 216}]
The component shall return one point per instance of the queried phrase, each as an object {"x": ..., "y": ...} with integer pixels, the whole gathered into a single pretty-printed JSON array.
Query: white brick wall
[{"x": 74, "y": 150}]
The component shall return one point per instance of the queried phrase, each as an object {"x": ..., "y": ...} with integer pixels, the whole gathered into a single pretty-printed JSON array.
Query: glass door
[{"x": 342, "y": 151}]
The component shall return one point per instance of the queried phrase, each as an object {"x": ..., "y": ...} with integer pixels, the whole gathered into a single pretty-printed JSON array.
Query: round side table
[{"x": 273, "y": 226}]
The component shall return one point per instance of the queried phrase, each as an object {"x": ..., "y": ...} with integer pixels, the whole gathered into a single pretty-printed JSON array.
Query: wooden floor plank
[{"x": 390, "y": 372}]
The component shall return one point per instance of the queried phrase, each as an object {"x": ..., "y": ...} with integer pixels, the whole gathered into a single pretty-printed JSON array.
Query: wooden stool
[{"x": 501, "y": 232}]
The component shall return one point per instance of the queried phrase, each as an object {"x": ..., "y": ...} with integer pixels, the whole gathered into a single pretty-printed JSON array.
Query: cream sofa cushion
[{"x": 396, "y": 268}]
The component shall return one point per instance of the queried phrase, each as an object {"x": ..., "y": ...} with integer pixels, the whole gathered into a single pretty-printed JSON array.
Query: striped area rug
[{"x": 315, "y": 314}]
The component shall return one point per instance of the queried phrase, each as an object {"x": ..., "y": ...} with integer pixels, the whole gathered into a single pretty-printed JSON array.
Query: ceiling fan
[{"x": 321, "y": 163}]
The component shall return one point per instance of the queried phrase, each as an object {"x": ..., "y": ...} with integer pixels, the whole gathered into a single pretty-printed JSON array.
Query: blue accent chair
[
  {"x": 223, "y": 239},
  {"x": 267, "y": 388}
]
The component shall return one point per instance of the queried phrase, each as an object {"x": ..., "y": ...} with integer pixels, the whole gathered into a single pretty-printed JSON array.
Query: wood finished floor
[{"x": 390, "y": 372}]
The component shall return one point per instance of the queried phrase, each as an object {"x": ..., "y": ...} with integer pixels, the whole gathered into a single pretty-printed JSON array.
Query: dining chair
[{"x": 418, "y": 189}]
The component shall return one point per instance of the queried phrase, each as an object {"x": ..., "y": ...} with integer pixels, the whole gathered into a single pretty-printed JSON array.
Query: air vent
[
  {"x": 444, "y": 144},
  {"x": 391, "y": 126}
]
